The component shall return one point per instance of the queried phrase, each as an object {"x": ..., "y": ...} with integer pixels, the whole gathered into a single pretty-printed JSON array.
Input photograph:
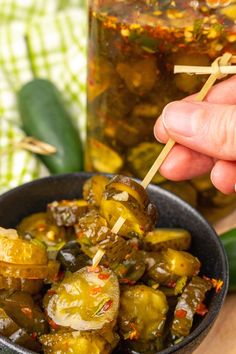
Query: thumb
[{"x": 204, "y": 127}]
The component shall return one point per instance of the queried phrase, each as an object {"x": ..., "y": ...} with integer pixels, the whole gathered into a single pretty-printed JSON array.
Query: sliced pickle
[
  {"x": 140, "y": 76},
  {"x": 21, "y": 307},
  {"x": 183, "y": 190},
  {"x": 158, "y": 270},
  {"x": 159, "y": 239},
  {"x": 192, "y": 296},
  {"x": 93, "y": 234},
  {"x": 23, "y": 339},
  {"x": 75, "y": 343},
  {"x": 146, "y": 110},
  {"x": 93, "y": 189},
  {"x": 130, "y": 269},
  {"x": 11, "y": 330},
  {"x": 31, "y": 286},
  {"x": 47, "y": 271},
  {"x": 137, "y": 222},
  {"x": 167, "y": 266},
  {"x": 142, "y": 313},
  {"x": 141, "y": 157},
  {"x": 86, "y": 300},
  {"x": 181, "y": 263},
  {"x": 7, "y": 325},
  {"x": 104, "y": 158},
  {"x": 116, "y": 102},
  {"x": 8, "y": 233},
  {"x": 40, "y": 227},
  {"x": 19, "y": 251},
  {"x": 122, "y": 131},
  {"x": 101, "y": 74},
  {"x": 67, "y": 212},
  {"x": 185, "y": 82},
  {"x": 133, "y": 188}
]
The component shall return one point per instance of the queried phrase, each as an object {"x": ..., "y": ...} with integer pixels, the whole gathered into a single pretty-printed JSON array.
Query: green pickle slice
[
  {"x": 74, "y": 342},
  {"x": 86, "y": 300},
  {"x": 93, "y": 189},
  {"x": 39, "y": 226},
  {"x": 141, "y": 157},
  {"x": 162, "y": 238},
  {"x": 104, "y": 158},
  {"x": 142, "y": 313},
  {"x": 192, "y": 296}
]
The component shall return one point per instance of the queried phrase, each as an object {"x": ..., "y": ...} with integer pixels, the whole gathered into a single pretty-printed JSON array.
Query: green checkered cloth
[{"x": 46, "y": 39}]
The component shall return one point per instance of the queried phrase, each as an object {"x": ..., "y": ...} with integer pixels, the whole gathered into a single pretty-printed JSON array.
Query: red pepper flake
[
  {"x": 107, "y": 305},
  {"x": 134, "y": 335},
  {"x": 171, "y": 284},
  {"x": 53, "y": 324},
  {"x": 51, "y": 292},
  {"x": 27, "y": 312},
  {"x": 181, "y": 313},
  {"x": 217, "y": 284},
  {"x": 127, "y": 281},
  {"x": 92, "y": 269},
  {"x": 95, "y": 291},
  {"x": 41, "y": 227},
  {"x": 201, "y": 309},
  {"x": 34, "y": 335},
  {"x": 103, "y": 276},
  {"x": 79, "y": 234}
]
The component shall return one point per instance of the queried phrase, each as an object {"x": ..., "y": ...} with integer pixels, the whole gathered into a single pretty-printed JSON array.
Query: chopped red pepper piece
[
  {"x": 53, "y": 324},
  {"x": 51, "y": 292},
  {"x": 216, "y": 283},
  {"x": 127, "y": 281},
  {"x": 34, "y": 335},
  {"x": 134, "y": 335},
  {"x": 171, "y": 284},
  {"x": 107, "y": 305},
  {"x": 201, "y": 309},
  {"x": 103, "y": 276},
  {"x": 95, "y": 291},
  {"x": 180, "y": 313}
]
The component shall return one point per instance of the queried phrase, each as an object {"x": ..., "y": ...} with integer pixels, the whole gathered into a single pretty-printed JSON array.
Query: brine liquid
[{"x": 133, "y": 47}]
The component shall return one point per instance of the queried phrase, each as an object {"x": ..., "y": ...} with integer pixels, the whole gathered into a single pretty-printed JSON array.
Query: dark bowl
[{"x": 173, "y": 212}]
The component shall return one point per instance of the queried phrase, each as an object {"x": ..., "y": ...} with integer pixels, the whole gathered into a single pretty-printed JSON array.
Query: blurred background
[{"x": 45, "y": 39}]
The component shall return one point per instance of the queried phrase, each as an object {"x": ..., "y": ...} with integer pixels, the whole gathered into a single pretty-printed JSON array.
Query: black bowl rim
[{"x": 206, "y": 321}]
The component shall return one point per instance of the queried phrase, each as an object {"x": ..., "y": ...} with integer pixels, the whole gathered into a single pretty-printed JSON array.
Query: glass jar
[{"x": 133, "y": 47}]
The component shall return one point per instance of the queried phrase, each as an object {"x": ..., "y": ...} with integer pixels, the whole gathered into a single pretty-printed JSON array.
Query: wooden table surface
[{"x": 222, "y": 337}]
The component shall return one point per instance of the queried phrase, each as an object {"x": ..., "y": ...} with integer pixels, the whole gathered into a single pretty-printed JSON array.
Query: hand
[{"x": 205, "y": 133}]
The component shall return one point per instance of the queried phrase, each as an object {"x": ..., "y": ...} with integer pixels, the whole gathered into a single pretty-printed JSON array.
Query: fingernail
[
  {"x": 155, "y": 131},
  {"x": 182, "y": 118}
]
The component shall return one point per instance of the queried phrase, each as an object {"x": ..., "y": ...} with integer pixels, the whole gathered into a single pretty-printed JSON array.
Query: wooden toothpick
[{"x": 217, "y": 72}]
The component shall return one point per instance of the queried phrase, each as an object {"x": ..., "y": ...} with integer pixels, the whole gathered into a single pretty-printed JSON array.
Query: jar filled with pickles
[{"x": 133, "y": 47}]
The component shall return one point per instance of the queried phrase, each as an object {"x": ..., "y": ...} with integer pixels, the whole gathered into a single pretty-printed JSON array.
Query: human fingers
[
  {"x": 201, "y": 126},
  {"x": 183, "y": 163},
  {"x": 222, "y": 93},
  {"x": 223, "y": 176}
]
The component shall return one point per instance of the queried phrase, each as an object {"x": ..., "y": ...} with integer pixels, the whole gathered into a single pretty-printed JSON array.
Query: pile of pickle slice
[{"x": 145, "y": 294}]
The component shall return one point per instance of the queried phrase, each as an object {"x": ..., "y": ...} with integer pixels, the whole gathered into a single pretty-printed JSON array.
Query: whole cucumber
[
  {"x": 45, "y": 118},
  {"x": 229, "y": 241}
]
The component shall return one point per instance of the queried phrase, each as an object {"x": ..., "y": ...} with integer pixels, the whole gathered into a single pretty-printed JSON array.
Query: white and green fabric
[{"x": 46, "y": 39}]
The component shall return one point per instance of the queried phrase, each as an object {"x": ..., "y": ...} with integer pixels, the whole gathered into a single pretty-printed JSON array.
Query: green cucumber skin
[
  {"x": 44, "y": 117},
  {"x": 229, "y": 241}
]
